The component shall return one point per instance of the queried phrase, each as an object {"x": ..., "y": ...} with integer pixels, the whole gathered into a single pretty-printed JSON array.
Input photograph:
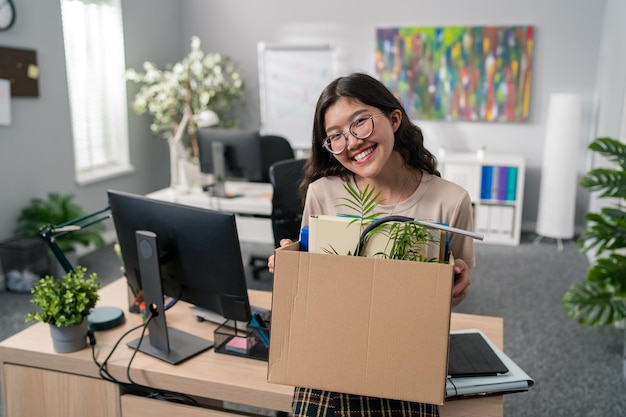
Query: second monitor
[{"x": 230, "y": 154}]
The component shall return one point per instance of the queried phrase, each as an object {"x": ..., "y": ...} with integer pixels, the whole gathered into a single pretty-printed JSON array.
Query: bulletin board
[
  {"x": 291, "y": 78},
  {"x": 19, "y": 66}
]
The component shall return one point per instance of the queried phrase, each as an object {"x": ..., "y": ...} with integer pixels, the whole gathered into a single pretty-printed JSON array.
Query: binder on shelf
[
  {"x": 502, "y": 182},
  {"x": 511, "y": 184},
  {"x": 507, "y": 216},
  {"x": 481, "y": 219},
  {"x": 495, "y": 173},
  {"x": 494, "y": 221},
  {"x": 486, "y": 181},
  {"x": 497, "y": 180}
]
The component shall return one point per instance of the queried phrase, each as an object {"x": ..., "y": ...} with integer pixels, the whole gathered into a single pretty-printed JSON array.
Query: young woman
[{"x": 362, "y": 135}]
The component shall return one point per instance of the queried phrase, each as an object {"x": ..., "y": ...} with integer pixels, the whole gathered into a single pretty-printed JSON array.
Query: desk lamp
[
  {"x": 178, "y": 177},
  {"x": 100, "y": 318}
]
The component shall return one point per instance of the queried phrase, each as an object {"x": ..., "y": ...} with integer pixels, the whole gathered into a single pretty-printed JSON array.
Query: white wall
[
  {"x": 567, "y": 39},
  {"x": 36, "y": 149}
]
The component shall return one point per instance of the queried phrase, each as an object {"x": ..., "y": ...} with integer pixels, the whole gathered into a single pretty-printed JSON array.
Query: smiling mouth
[{"x": 361, "y": 155}]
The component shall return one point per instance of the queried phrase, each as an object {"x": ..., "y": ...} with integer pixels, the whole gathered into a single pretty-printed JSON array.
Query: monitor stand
[
  {"x": 168, "y": 344},
  {"x": 219, "y": 169}
]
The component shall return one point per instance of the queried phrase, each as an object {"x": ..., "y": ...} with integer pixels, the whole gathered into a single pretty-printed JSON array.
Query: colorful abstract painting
[{"x": 458, "y": 73}]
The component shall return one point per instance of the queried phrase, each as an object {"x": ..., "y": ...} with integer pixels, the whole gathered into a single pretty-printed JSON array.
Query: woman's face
[{"x": 364, "y": 157}]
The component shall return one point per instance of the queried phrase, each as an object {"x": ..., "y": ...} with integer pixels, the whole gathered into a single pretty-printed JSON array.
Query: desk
[
  {"x": 252, "y": 209},
  {"x": 36, "y": 381}
]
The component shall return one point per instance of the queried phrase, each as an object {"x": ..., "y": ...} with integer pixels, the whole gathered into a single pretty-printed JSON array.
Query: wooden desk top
[{"x": 209, "y": 374}]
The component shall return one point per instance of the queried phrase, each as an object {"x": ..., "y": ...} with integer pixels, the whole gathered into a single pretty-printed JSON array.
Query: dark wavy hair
[{"x": 409, "y": 141}]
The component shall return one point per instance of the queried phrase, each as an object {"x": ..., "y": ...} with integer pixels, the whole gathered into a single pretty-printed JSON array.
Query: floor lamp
[{"x": 557, "y": 194}]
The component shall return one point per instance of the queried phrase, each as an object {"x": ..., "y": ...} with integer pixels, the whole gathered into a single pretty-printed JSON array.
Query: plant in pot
[
  {"x": 601, "y": 298},
  {"x": 57, "y": 209},
  {"x": 198, "y": 91},
  {"x": 65, "y": 304},
  {"x": 403, "y": 240}
]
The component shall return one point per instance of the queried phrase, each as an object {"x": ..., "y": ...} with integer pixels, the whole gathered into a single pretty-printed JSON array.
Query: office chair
[
  {"x": 273, "y": 149},
  {"x": 286, "y": 217},
  {"x": 285, "y": 177}
]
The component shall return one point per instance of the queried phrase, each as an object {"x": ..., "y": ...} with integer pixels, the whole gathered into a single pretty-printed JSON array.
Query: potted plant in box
[
  {"x": 404, "y": 240},
  {"x": 65, "y": 304}
]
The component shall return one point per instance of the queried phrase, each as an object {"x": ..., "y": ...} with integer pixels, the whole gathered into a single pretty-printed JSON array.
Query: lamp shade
[
  {"x": 557, "y": 193},
  {"x": 207, "y": 118}
]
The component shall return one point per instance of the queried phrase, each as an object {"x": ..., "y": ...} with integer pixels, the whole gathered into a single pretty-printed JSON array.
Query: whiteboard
[{"x": 291, "y": 78}]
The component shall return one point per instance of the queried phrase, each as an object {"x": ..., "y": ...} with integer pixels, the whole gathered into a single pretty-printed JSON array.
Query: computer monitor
[
  {"x": 230, "y": 154},
  {"x": 188, "y": 253}
]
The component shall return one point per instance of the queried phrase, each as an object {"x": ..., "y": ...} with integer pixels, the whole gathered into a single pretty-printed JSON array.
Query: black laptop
[{"x": 471, "y": 355}]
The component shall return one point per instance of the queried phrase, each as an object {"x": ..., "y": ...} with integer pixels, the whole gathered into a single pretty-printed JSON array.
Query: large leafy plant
[
  {"x": 53, "y": 210},
  {"x": 199, "y": 82},
  {"x": 67, "y": 301},
  {"x": 601, "y": 298}
]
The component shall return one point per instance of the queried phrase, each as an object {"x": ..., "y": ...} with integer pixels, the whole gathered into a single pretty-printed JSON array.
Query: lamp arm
[
  {"x": 50, "y": 234},
  {"x": 50, "y": 240}
]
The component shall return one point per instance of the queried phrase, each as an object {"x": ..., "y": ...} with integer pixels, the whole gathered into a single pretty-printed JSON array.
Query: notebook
[{"x": 471, "y": 355}]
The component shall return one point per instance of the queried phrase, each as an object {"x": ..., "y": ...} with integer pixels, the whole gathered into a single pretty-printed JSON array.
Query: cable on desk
[
  {"x": 102, "y": 367},
  {"x": 143, "y": 332},
  {"x": 164, "y": 395}
]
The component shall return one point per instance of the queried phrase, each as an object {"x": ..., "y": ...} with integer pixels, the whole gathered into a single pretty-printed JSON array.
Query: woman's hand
[
  {"x": 461, "y": 281},
  {"x": 270, "y": 260}
]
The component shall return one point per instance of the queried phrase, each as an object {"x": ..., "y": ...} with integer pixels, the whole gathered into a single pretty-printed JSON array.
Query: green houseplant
[
  {"x": 65, "y": 304},
  {"x": 601, "y": 298},
  {"x": 56, "y": 209}
]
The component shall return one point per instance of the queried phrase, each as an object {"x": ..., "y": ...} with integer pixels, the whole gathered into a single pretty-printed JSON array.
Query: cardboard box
[{"x": 360, "y": 325}]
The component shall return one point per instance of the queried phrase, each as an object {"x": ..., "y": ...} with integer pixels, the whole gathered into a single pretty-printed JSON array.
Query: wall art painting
[{"x": 459, "y": 73}]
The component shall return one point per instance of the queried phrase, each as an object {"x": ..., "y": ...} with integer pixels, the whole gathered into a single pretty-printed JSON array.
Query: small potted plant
[{"x": 65, "y": 304}]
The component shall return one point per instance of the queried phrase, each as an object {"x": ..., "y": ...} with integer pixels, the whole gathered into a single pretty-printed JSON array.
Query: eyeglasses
[{"x": 361, "y": 128}]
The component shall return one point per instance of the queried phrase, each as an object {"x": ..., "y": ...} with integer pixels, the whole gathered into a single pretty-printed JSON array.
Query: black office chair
[
  {"x": 273, "y": 149},
  {"x": 286, "y": 217},
  {"x": 285, "y": 177}
]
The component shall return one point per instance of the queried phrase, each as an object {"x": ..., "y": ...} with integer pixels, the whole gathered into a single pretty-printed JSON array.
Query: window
[{"x": 94, "y": 55}]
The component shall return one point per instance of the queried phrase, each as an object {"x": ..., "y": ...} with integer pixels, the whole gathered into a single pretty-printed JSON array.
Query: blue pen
[{"x": 257, "y": 324}]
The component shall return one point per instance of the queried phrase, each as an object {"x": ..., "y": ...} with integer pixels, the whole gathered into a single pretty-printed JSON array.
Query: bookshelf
[{"x": 495, "y": 183}]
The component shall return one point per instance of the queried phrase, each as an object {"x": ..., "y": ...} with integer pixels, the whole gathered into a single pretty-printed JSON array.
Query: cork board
[{"x": 19, "y": 66}]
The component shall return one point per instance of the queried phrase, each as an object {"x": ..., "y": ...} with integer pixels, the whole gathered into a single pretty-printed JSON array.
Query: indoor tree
[
  {"x": 199, "y": 82},
  {"x": 601, "y": 298}
]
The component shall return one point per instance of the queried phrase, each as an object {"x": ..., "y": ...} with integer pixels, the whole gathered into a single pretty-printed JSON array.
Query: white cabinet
[{"x": 495, "y": 183}]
